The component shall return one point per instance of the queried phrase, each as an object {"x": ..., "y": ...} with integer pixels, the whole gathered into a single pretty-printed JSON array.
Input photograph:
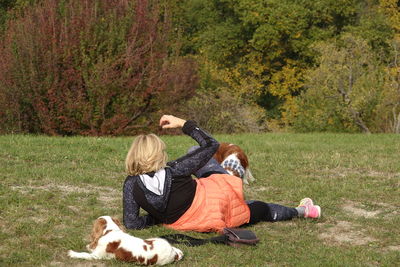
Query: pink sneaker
[{"x": 311, "y": 210}]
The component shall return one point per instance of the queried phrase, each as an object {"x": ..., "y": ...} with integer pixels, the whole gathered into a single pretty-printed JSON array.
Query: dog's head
[{"x": 102, "y": 226}]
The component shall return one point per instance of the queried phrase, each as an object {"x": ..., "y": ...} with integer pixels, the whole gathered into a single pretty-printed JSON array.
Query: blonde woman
[{"x": 169, "y": 194}]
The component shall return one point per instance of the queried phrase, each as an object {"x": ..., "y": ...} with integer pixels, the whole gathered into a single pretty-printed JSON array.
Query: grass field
[{"x": 52, "y": 189}]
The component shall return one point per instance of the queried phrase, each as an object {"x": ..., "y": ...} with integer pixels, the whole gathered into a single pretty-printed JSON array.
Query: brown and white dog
[
  {"x": 233, "y": 159},
  {"x": 109, "y": 241}
]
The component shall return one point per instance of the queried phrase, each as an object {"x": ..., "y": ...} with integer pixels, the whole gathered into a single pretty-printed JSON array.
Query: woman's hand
[{"x": 169, "y": 122}]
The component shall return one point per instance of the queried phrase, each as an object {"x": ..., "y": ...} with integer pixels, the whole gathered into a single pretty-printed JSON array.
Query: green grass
[{"x": 53, "y": 188}]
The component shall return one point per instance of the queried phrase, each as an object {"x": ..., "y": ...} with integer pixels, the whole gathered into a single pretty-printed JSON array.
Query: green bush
[{"x": 220, "y": 112}]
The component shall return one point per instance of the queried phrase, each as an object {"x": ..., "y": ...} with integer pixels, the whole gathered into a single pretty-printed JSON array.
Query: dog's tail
[{"x": 248, "y": 177}]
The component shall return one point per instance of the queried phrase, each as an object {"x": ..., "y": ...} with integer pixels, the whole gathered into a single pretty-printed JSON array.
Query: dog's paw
[
  {"x": 179, "y": 254},
  {"x": 72, "y": 254}
]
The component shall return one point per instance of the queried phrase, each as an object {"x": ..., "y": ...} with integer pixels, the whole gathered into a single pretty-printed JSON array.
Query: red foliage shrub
[{"x": 90, "y": 67}]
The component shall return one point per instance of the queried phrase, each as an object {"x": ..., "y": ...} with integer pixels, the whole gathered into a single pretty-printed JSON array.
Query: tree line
[{"x": 97, "y": 67}]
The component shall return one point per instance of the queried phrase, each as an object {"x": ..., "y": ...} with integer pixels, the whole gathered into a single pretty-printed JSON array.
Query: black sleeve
[
  {"x": 191, "y": 162},
  {"x": 131, "y": 218}
]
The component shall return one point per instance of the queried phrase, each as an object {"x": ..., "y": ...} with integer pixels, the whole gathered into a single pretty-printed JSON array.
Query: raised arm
[
  {"x": 131, "y": 217},
  {"x": 196, "y": 159}
]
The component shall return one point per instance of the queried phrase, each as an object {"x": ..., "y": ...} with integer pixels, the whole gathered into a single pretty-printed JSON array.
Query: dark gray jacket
[{"x": 178, "y": 185}]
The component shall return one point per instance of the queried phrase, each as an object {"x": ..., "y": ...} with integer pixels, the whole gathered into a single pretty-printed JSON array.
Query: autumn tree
[
  {"x": 258, "y": 50},
  {"x": 345, "y": 89},
  {"x": 389, "y": 107},
  {"x": 90, "y": 67}
]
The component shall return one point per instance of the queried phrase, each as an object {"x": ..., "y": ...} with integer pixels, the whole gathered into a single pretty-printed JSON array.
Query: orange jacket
[{"x": 218, "y": 203}]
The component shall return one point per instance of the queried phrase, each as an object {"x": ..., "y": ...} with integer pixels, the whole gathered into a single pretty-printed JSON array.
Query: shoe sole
[
  {"x": 319, "y": 211},
  {"x": 307, "y": 199}
]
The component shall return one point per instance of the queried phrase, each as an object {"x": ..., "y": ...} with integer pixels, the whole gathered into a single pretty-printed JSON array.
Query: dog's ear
[
  {"x": 118, "y": 223},
  {"x": 98, "y": 228}
]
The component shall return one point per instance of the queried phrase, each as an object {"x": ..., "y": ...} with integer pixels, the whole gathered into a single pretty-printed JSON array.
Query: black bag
[{"x": 231, "y": 236}]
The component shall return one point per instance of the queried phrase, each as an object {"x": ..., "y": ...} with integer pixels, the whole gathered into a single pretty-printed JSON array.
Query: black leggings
[
  {"x": 267, "y": 212},
  {"x": 259, "y": 211}
]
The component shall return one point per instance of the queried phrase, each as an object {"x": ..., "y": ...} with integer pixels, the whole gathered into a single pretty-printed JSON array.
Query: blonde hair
[{"x": 147, "y": 153}]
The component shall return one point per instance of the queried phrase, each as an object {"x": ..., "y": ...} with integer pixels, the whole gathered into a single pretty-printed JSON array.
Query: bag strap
[
  {"x": 231, "y": 236},
  {"x": 194, "y": 242}
]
